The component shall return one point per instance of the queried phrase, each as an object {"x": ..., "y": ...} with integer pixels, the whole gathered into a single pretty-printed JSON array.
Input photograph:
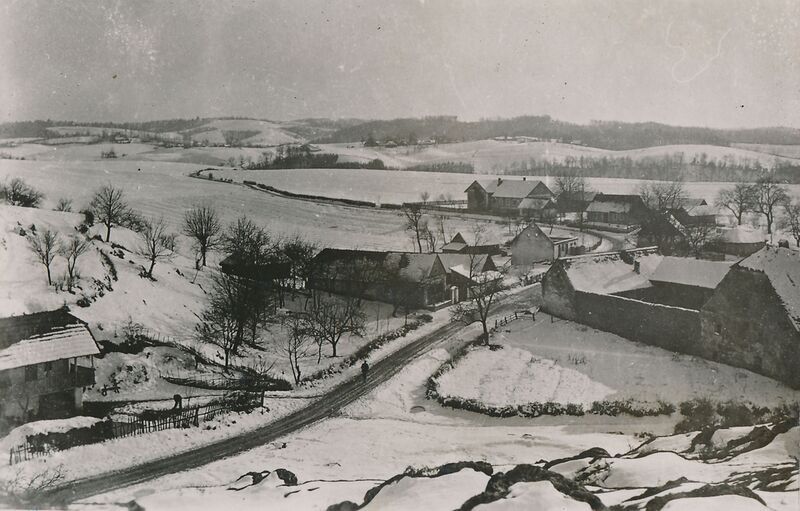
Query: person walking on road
[{"x": 364, "y": 370}]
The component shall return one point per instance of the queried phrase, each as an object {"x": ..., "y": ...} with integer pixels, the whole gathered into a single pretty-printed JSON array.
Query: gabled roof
[
  {"x": 533, "y": 230},
  {"x": 691, "y": 272},
  {"x": 478, "y": 262},
  {"x": 608, "y": 273},
  {"x": 782, "y": 267},
  {"x": 411, "y": 265},
  {"x": 691, "y": 203},
  {"x": 43, "y": 337},
  {"x": 535, "y": 204},
  {"x": 510, "y": 188},
  {"x": 269, "y": 271},
  {"x": 609, "y": 206},
  {"x": 577, "y": 196}
]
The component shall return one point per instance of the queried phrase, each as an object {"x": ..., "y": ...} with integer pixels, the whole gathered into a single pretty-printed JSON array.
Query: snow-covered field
[
  {"x": 566, "y": 362},
  {"x": 378, "y": 437}
]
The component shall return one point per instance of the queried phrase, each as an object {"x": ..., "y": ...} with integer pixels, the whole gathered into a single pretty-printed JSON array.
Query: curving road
[{"x": 337, "y": 398}]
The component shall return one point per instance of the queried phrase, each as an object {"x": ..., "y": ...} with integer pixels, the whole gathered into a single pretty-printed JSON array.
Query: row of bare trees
[{"x": 763, "y": 197}]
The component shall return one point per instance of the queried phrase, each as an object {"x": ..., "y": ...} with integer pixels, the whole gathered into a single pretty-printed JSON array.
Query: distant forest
[
  {"x": 665, "y": 167},
  {"x": 601, "y": 134},
  {"x": 443, "y": 129}
]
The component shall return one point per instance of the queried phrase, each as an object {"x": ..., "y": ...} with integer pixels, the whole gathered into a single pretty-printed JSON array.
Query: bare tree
[
  {"x": 441, "y": 228},
  {"x": 110, "y": 208},
  {"x": 333, "y": 317},
  {"x": 249, "y": 243},
  {"x": 222, "y": 323},
  {"x": 425, "y": 196},
  {"x": 791, "y": 221},
  {"x": 19, "y": 193},
  {"x": 44, "y": 244},
  {"x": 296, "y": 344},
  {"x": 738, "y": 200},
  {"x": 483, "y": 290},
  {"x": 414, "y": 222},
  {"x": 663, "y": 195},
  {"x": 300, "y": 255},
  {"x": 71, "y": 250},
  {"x": 571, "y": 189},
  {"x": 202, "y": 224},
  {"x": 429, "y": 235},
  {"x": 64, "y": 204},
  {"x": 697, "y": 235},
  {"x": 767, "y": 195},
  {"x": 156, "y": 243}
]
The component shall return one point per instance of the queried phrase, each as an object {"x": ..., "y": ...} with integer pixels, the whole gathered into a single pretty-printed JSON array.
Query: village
[
  {"x": 332, "y": 255},
  {"x": 278, "y": 311}
]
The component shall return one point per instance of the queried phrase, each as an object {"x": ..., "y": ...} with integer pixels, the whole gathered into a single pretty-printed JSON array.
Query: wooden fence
[
  {"x": 138, "y": 425},
  {"x": 516, "y": 315}
]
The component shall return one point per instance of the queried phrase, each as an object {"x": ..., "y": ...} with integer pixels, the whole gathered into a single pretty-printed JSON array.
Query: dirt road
[{"x": 337, "y": 398}]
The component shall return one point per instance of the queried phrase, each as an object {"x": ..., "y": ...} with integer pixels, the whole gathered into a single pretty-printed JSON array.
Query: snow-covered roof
[
  {"x": 479, "y": 262},
  {"x": 741, "y": 234},
  {"x": 454, "y": 246},
  {"x": 702, "y": 210},
  {"x": 509, "y": 188},
  {"x": 535, "y": 204},
  {"x": 609, "y": 274},
  {"x": 691, "y": 272},
  {"x": 43, "y": 337},
  {"x": 609, "y": 207},
  {"x": 782, "y": 268},
  {"x": 410, "y": 265}
]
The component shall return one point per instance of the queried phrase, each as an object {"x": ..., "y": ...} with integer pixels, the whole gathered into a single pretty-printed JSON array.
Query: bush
[
  {"x": 88, "y": 217},
  {"x": 98, "y": 432},
  {"x": 19, "y": 193}
]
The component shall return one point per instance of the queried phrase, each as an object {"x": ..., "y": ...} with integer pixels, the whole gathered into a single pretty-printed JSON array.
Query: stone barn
[{"x": 753, "y": 318}]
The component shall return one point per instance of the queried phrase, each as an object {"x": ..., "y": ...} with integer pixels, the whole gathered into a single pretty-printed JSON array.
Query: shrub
[
  {"x": 19, "y": 193},
  {"x": 88, "y": 216}
]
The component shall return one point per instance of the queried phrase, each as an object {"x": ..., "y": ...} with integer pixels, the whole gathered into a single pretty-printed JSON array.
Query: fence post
[{"x": 11, "y": 456}]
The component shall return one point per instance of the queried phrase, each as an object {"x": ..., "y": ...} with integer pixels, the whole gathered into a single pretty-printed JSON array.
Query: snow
[
  {"x": 609, "y": 366},
  {"x": 608, "y": 274},
  {"x": 524, "y": 379},
  {"x": 782, "y": 268},
  {"x": 535, "y": 495},
  {"x": 741, "y": 234},
  {"x": 691, "y": 272},
  {"x": 718, "y": 503},
  {"x": 442, "y": 493},
  {"x": 17, "y": 435}
]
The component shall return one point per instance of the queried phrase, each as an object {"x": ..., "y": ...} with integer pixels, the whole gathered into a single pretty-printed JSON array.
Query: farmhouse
[
  {"x": 696, "y": 214},
  {"x": 417, "y": 279},
  {"x": 39, "y": 373},
  {"x": 753, "y": 318},
  {"x": 574, "y": 202},
  {"x": 506, "y": 195},
  {"x": 460, "y": 245},
  {"x": 538, "y": 209},
  {"x": 462, "y": 269},
  {"x": 613, "y": 209},
  {"x": 533, "y": 245},
  {"x": 267, "y": 272},
  {"x": 664, "y": 231}
]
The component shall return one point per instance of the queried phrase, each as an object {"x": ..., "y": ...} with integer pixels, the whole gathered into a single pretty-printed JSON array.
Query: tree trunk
[
  {"x": 49, "y": 281},
  {"x": 485, "y": 333},
  {"x": 227, "y": 352},
  {"x": 203, "y": 253},
  {"x": 333, "y": 345},
  {"x": 152, "y": 265},
  {"x": 108, "y": 231}
]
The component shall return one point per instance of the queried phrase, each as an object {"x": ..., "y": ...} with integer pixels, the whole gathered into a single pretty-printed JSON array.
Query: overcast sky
[{"x": 723, "y": 63}]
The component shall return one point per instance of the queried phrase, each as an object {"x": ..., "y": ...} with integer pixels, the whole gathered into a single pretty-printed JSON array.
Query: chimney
[
  {"x": 499, "y": 180},
  {"x": 636, "y": 267},
  {"x": 523, "y": 178}
]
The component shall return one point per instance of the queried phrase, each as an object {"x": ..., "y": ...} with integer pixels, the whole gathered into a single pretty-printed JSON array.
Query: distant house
[
  {"x": 574, "y": 202},
  {"x": 39, "y": 373},
  {"x": 533, "y": 245},
  {"x": 614, "y": 209},
  {"x": 739, "y": 241},
  {"x": 460, "y": 245},
  {"x": 664, "y": 231},
  {"x": 267, "y": 272},
  {"x": 696, "y": 214},
  {"x": 753, "y": 318},
  {"x": 419, "y": 278},
  {"x": 538, "y": 209},
  {"x": 462, "y": 269},
  {"x": 504, "y": 195}
]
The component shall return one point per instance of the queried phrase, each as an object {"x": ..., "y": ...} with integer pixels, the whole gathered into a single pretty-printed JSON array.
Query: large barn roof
[
  {"x": 43, "y": 337},
  {"x": 411, "y": 265},
  {"x": 608, "y": 273},
  {"x": 691, "y": 272},
  {"x": 782, "y": 268},
  {"x": 509, "y": 188}
]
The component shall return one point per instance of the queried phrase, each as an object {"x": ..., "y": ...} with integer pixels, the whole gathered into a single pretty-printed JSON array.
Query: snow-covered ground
[
  {"x": 566, "y": 362},
  {"x": 394, "y": 427}
]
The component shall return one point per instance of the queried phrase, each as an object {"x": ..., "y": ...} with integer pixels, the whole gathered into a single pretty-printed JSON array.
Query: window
[{"x": 31, "y": 373}]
